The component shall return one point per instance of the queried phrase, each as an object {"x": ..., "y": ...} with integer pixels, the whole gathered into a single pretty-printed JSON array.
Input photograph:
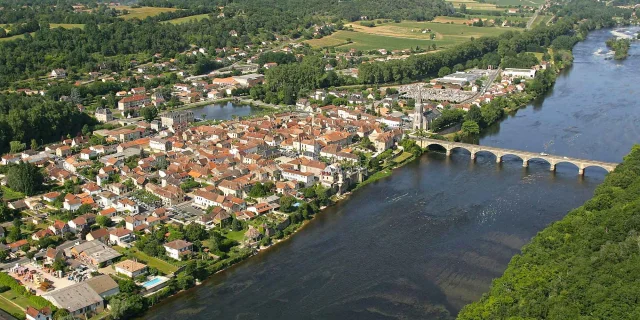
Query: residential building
[
  {"x": 78, "y": 299},
  {"x": 172, "y": 118},
  {"x": 177, "y": 249},
  {"x": 103, "y": 115},
  {"x": 131, "y": 268}
]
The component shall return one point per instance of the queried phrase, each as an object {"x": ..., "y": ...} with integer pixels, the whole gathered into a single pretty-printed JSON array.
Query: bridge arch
[
  {"x": 477, "y": 152},
  {"x": 573, "y": 164},
  {"x": 461, "y": 148},
  {"x": 439, "y": 145},
  {"x": 523, "y": 159},
  {"x": 598, "y": 167}
]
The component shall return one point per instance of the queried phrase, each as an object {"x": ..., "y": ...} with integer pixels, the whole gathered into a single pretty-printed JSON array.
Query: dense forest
[
  {"x": 349, "y": 10},
  {"x": 581, "y": 267},
  {"x": 39, "y": 119}
]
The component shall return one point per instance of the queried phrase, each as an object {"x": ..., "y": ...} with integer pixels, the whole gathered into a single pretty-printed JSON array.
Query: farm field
[
  {"x": 473, "y": 5},
  {"x": 517, "y": 2},
  {"x": 404, "y": 35},
  {"x": 469, "y": 19},
  {"x": 66, "y": 25},
  {"x": 142, "y": 12},
  {"x": 540, "y": 19},
  {"x": 187, "y": 19}
]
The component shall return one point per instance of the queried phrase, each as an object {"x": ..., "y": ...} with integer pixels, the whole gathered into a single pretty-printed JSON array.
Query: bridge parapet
[{"x": 526, "y": 156}]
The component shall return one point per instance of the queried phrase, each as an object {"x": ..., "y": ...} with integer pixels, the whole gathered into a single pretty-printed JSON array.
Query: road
[
  {"x": 533, "y": 18},
  {"x": 480, "y": 92}
]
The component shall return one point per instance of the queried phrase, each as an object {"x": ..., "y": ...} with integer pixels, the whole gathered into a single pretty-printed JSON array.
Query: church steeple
[{"x": 418, "y": 112}]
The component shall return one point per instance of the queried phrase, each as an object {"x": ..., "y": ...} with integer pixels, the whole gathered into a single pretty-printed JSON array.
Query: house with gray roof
[{"x": 77, "y": 298}]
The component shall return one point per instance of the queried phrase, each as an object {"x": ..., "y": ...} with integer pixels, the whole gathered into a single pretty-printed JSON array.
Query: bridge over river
[{"x": 526, "y": 156}]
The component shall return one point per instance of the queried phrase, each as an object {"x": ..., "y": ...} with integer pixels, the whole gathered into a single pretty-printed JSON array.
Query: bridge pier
[{"x": 526, "y": 156}]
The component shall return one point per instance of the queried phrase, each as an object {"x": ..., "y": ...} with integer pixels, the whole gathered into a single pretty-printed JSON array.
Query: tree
[
  {"x": 24, "y": 177},
  {"x": 194, "y": 232},
  {"x": 444, "y": 71},
  {"x": 86, "y": 130},
  {"x": 127, "y": 306},
  {"x": 59, "y": 265},
  {"x": 258, "y": 191},
  {"x": 34, "y": 144},
  {"x": 17, "y": 146},
  {"x": 286, "y": 203},
  {"x": 149, "y": 113},
  {"x": 470, "y": 127},
  {"x": 103, "y": 221},
  {"x": 127, "y": 286}
]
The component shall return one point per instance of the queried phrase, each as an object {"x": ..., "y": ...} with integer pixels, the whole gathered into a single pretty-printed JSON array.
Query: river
[{"x": 429, "y": 239}]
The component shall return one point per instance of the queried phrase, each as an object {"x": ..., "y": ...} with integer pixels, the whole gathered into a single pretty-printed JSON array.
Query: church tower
[{"x": 419, "y": 121}]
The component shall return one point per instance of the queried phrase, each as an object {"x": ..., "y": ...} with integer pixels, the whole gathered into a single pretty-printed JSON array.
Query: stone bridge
[{"x": 526, "y": 156}]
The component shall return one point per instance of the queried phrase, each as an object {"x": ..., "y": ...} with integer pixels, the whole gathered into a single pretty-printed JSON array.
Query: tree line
[
  {"x": 581, "y": 267},
  {"x": 38, "y": 119}
]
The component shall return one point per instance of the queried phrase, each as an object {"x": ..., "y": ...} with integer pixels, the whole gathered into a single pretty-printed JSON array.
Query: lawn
[
  {"x": 10, "y": 195},
  {"x": 235, "y": 235},
  {"x": 404, "y": 35},
  {"x": 13, "y": 37},
  {"x": 403, "y": 157},
  {"x": 153, "y": 262},
  {"x": 11, "y": 307},
  {"x": 142, "y": 12},
  {"x": 187, "y": 19},
  {"x": 67, "y": 25}
]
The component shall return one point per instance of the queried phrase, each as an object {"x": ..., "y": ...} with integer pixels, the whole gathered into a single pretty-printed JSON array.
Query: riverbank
[{"x": 438, "y": 230}]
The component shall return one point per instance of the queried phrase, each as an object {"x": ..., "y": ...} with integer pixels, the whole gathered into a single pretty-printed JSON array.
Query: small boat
[{"x": 544, "y": 154}]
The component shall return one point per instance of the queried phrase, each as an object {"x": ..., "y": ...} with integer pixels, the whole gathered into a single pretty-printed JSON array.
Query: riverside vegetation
[{"x": 581, "y": 267}]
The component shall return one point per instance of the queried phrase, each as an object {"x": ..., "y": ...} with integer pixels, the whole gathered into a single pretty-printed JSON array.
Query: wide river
[{"x": 429, "y": 239}]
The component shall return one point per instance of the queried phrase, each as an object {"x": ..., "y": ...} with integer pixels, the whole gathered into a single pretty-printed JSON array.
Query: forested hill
[
  {"x": 347, "y": 9},
  {"x": 584, "y": 266}
]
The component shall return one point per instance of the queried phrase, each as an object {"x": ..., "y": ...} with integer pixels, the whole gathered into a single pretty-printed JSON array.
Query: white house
[
  {"x": 293, "y": 175},
  {"x": 177, "y": 249}
]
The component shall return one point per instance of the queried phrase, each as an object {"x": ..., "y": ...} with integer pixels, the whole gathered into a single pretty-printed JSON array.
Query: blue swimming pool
[{"x": 153, "y": 282}]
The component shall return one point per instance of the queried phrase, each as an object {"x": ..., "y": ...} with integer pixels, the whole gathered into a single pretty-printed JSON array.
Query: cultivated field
[
  {"x": 517, "y": 2},
  {"x": 469, "y": 19},
  {"x": 143, "y": 12},
  {"x": 473, "y": 5},
  {"x": 404, "y": 35},
  {"x": 66, "y": 25},
  {"x": 187, "y": 19}
]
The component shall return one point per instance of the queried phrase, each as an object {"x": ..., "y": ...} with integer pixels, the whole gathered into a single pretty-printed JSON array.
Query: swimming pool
[{"x": 154, "y": 282}]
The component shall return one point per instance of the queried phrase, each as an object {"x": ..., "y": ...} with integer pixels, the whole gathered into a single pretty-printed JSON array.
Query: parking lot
[{"x": 187, "y": 211}]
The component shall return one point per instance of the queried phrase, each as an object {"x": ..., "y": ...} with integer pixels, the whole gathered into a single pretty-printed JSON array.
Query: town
[
  {"x": 120, "y": 190},
  {"x": 142, "y": 200}
]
